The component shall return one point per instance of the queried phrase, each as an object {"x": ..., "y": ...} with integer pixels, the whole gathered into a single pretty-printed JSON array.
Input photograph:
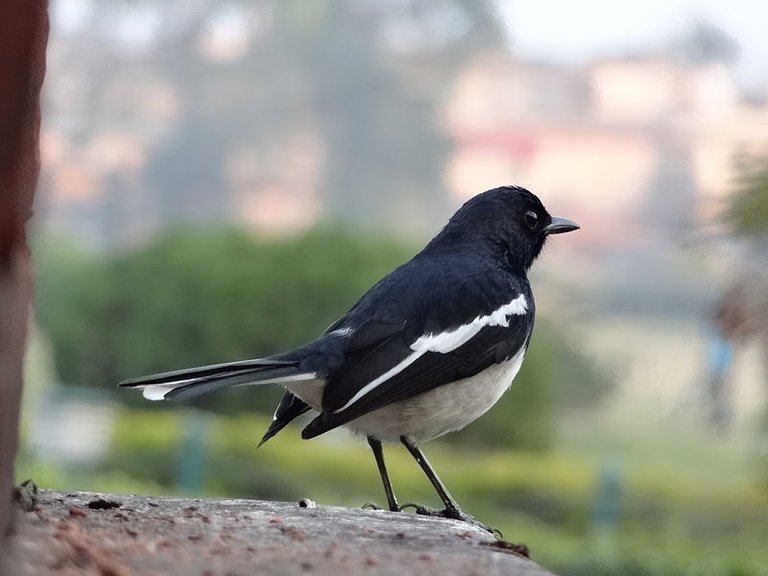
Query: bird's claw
[
  {"x": 421, "y": 510},
  {"x": 454, "y": 514},
  {"x": 373, "y": 506}
]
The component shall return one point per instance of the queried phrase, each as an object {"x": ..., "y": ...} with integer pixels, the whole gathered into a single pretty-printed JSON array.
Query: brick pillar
[{"x": 23, "y": 37}]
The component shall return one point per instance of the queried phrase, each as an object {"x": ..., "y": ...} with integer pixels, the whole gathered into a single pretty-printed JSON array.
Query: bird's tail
[{"x": 191, "y": 382}]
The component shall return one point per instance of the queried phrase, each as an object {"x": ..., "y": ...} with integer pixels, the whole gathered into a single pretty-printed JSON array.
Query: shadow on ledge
[{"x": 122, "y": 535}]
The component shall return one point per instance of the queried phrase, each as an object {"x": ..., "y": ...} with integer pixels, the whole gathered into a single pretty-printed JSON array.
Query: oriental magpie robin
[{"x": 426, "y": 351}]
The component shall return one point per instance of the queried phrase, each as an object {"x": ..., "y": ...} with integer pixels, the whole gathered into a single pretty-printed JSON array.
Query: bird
[{"x": 424, "y": 352}]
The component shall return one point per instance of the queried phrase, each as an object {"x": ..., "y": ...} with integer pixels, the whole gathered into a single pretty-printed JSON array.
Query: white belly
[{"x": 444, "y": 409}]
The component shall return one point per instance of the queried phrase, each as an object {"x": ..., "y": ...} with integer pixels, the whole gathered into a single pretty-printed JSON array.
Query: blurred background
[{"x": 221, "y": 180}]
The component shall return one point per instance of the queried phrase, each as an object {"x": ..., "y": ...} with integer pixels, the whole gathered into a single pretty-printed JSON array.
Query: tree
[
  {"x": 705, "y": 43},
  {"x": 385, "y": 150}
]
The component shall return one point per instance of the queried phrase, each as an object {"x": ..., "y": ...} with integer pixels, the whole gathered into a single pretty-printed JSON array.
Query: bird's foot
[
  {"x": 374, "y": 506},
  {"x": 452, "y": 513}
]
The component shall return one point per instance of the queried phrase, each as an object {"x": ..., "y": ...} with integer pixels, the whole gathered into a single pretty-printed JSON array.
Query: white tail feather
[{"x": 157, "y": 392}]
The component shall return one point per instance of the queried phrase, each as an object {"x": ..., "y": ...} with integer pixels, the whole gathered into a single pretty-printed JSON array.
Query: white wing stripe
[
  {"x": 448, "y": 341},
  {"x": 402, "y": 365},
  {"x": 444, "y": 342}
]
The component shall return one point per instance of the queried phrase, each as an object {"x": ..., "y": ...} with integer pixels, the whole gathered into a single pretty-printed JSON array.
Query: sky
[{"x": 575, "y": 31}]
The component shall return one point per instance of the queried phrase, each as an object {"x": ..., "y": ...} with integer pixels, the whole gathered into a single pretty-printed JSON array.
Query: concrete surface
[{"x": 120, "y": 535}]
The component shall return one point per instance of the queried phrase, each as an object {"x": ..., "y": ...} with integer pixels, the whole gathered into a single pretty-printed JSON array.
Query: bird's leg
[
  {"x": 378, "y": 453},
  {"x": 452, "y": 509}
]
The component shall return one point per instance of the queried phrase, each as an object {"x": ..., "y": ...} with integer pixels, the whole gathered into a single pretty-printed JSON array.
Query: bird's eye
[{"x": 532, "y": 219}]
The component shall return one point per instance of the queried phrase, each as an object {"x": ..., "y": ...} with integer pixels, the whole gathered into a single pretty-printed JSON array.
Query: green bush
[{"x": 200, "y": 297}]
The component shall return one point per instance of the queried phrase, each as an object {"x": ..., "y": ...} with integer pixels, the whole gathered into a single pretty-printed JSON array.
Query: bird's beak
[{"x": 560, "y": 225}]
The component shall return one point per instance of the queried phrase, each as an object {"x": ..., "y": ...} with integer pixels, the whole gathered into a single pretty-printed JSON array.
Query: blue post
[
  {"x": 605, "y": 514},
  {"x": 191, "y": 464}
]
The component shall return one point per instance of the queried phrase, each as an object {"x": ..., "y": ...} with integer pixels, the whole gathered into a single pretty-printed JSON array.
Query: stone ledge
[{"x": 121, "y": 535}]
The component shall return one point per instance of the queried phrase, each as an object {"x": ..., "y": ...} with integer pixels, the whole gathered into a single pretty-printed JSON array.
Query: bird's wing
[{"x": 385, "y": 363}]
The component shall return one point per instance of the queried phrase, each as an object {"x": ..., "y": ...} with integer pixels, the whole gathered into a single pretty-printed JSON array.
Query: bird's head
[{"x": 508, "y": 222}]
